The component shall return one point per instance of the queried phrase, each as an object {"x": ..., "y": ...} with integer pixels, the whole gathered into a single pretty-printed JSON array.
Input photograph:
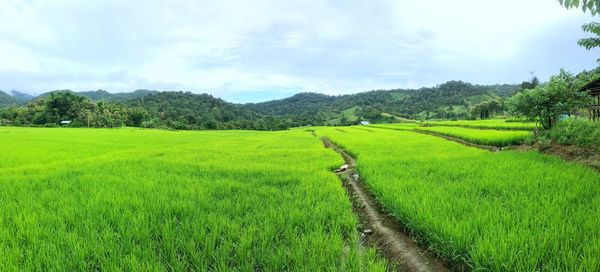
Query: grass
[
  {"x": 576, "y": 132},
  {"x": 477, "y": 136},
  {"x": 349, "y": 114},
  {"x": 499, "y": 124},
  {"x": 503, "y": 211},
  {"x": 131, "y": 199},
  {"x": 481, "y": 136},
  {"x": 397, "y": 126}
]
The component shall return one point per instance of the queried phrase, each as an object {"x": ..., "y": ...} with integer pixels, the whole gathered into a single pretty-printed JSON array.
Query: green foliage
[
  {"x": 593, "y": 6},
  {"x": 136, "y": 117},
  {"x": 174, "y": 110},
  {"x": 450, "y": 100},
  {"x": 490, "y": 211},
  {"x": 7, "y": 100},
  {"x": 545, "y": 104},
  {"x": 102, "y": 95},
  {"x": 66, "y": 106},
  {"x": 575, "y": 132},
  {"x": 528, "y": 85},
  {"x": 179, "y": 110},
  {"x": 154, "y": 200},
  {"x": 485, "y": 110},
  {"x": 593, "y": 42}
]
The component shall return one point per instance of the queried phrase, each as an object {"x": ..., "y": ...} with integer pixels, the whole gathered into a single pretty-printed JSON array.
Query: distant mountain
[
  {"x": 7, "y": 100},
  {"x": 22, "y": 97},
  {"x": 452, "y": 99}
]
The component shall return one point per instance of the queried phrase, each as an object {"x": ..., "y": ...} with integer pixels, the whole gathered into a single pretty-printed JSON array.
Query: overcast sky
[{"x": 257, "y": 50}]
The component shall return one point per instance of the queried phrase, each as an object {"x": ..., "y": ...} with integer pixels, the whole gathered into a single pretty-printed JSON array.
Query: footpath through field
[
  {"x": 379, "y": 228},
  {"x": 498, "y": 211}
]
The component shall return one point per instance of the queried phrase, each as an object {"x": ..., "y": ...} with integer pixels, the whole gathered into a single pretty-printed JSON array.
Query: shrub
[{"x": 576, "y": 132}]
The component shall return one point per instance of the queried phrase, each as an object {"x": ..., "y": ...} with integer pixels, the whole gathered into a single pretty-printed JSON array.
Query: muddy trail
[{"x": 379, "y": 228}]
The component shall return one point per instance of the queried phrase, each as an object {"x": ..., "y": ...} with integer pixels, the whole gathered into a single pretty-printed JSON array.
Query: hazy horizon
[{"x": 263, "y": 50}]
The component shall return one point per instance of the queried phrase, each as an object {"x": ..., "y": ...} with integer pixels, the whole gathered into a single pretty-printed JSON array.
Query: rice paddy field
[
  {"x": 491, "y": 211},
  {"x": 501, "y": 124},
  {"x": 135, "y": 199},
  {"x": 151, "y": 200},
  {"x": 489, "y": 137}
]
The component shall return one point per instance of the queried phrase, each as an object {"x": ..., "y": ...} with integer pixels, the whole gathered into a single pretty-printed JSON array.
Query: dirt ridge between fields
[
  {"x": 454, "y": 139},
  {"x": 379, "y": 228}
]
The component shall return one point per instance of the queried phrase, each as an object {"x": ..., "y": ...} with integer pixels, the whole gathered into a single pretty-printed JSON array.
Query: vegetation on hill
[
  {"x": 102, "y": 95},
  {"x": 451, "y": 100},
  {"x": 21, "y": 97},
  {"x": 181, "y": 110},
  {"x": 7, "y": 100},
  {"x": 175, "y": 110}
]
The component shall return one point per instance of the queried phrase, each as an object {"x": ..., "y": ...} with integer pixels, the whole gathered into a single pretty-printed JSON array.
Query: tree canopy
[
  {"x": 546, "y": 104},
  {"x": 592, "y": 6}
]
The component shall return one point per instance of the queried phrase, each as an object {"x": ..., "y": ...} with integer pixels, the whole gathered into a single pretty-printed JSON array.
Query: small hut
[{"x": 593, "y": 89}]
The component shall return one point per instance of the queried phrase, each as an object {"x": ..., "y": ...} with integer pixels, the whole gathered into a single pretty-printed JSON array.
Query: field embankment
[
  {"x": 485, "y": 138},
  {"x": 498, "y": 124}
]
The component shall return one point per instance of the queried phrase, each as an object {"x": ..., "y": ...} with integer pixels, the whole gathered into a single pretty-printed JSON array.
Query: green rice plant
[
  {"x": 397, "y": 126},
  {"x": 485, "y": 124},
  {"x": 502, "y": 211},
  {"x": 481, "y": 136},
  {"x": 152, "y": 200}
]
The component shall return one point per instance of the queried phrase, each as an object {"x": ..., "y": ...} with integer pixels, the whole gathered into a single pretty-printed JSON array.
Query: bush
[
  {"x": 576, "y": 132},
  {"x": 50, "y": 125},
  {"x": 153, "y": 123}
]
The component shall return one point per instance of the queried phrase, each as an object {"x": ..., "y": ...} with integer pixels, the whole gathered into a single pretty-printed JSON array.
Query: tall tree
[{"x": 545, "y": 104}]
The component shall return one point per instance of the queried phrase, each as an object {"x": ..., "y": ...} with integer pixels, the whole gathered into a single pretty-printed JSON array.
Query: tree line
[{"x": 170, "y": 110}]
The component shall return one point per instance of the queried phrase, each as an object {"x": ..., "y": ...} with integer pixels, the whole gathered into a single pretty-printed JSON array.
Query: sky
[{"x": 250, "y": 51}]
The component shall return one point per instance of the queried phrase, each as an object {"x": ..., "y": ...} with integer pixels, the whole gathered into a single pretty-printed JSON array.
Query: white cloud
[{"x": 230, "y": 47}]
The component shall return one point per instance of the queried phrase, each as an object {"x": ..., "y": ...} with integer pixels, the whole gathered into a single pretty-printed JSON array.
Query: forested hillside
[
  {"x": 6, "y": 100},
  {"x": 454, "y": 99},
  {"x": 179, "y": 110}
]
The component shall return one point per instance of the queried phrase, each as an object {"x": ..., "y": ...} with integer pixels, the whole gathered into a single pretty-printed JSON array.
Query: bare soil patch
[{"x": 583, "y": 155}]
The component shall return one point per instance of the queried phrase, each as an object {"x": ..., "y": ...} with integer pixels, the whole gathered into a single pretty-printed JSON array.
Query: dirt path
[
  {"x": 381, "y": 229},
  {"x": 449, "y": 138},
  {"x": 460, "y": 141}
]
